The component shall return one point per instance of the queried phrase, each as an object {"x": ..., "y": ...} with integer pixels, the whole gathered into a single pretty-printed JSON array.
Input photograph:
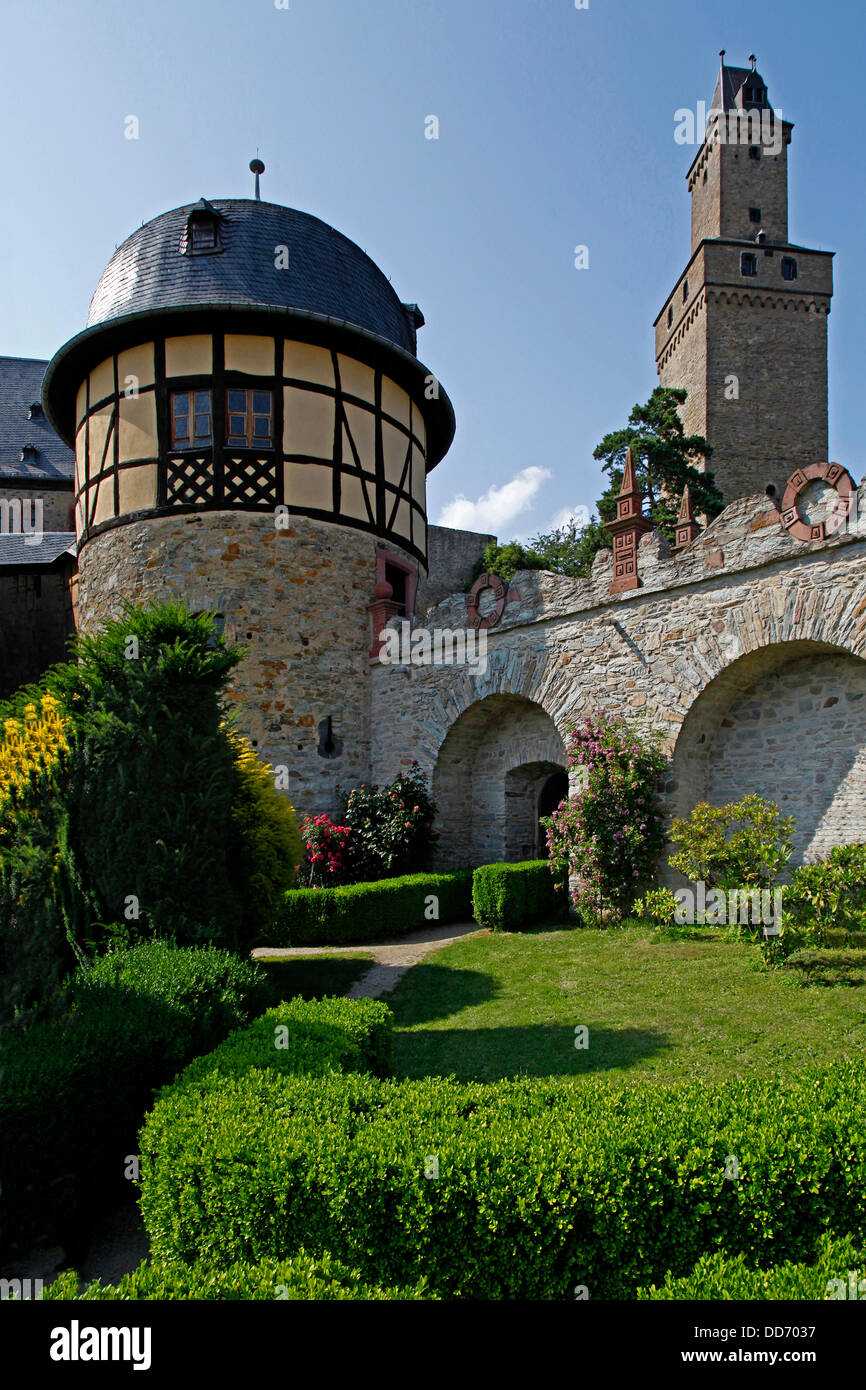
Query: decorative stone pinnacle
[
  {"x": 627, "y": 528},
  {"x": 687, "y": 529}
]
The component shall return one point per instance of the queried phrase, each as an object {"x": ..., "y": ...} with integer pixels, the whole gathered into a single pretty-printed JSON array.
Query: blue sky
[{"x": 556, "y": 129}]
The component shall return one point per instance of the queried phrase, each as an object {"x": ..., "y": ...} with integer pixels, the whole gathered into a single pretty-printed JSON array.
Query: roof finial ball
[
  {"x": 257, "y": 168},
  {"x": 753, "y": 60}
]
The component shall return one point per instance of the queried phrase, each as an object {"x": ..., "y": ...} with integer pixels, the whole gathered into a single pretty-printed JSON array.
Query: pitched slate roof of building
[
  {"x": 326, "y": 273},
  {"x": 15, "y": 550},
  {"x": 729, "y": 82},
  {"x": 21, "y": 387}
]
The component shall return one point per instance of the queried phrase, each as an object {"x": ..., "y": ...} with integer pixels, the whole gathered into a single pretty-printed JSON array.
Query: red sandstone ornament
[
  {"x": 500, "y": 594},
  {"x": 836, "y": 477}
]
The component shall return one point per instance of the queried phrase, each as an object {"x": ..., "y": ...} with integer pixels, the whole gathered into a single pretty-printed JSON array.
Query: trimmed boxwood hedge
[
  {"x": 303, "y": 1037},
  {"x": 73, "y": 1089},
  {"x": 510, "y": 896},
  {"x": 304, "y": 1277},
  {"x": 362, "y": 911},
  {"x": 541, "y": 1186},
  {"x": 722, "y": 1276}
]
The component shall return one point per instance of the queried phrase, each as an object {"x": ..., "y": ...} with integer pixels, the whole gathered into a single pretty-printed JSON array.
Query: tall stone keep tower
[{"x": 745, "y": 329}]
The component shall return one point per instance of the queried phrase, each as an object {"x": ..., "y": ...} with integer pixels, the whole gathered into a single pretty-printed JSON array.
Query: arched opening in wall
[
  {"x": 524, "y": 789},
  {"x": 493, "y": 765},
  {"x": 553, "y": 791},
  {"x": 787, "y": 722}
]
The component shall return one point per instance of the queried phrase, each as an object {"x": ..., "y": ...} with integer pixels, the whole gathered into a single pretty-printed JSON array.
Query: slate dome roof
[{"x": 327, "y": 273}]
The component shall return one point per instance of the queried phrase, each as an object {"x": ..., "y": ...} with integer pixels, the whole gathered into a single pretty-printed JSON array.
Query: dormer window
[
  {"x": 202, "y": 234},
  {"x": 35, "y": 412},
  {"x": 202, "y": 230},
  {"x": 28, "y": 454}
]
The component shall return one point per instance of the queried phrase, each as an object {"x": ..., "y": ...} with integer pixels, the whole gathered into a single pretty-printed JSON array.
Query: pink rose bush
[{"x": 610, "y": 835}]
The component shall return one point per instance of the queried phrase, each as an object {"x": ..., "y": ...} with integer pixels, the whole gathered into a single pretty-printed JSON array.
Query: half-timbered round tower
[{"x": 252, "y": 431}]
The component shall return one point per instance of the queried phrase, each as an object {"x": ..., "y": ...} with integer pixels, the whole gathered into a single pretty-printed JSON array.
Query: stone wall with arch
[
  {"x": 491, "y": 765},
  {"x": 715, "y": 627},
  {"x": 785, "y": 721}
]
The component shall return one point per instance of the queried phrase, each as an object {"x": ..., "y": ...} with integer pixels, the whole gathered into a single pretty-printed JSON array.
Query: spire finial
[
  {"x": 628, "y": 482},
  {"x": 753, "y": 60},
  {"x": 257, "y": 167}
]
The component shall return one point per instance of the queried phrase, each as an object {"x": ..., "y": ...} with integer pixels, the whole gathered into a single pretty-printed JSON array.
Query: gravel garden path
[{"x": 392, "y": 956}]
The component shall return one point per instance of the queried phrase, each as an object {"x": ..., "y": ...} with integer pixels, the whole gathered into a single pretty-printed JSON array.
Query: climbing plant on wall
[{"x": 608, "y": 837}]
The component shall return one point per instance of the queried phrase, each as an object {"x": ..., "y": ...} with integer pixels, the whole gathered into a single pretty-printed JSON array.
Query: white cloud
[
  {"x": 580, "y": 515},
  {"x": 498, "y": 506}
]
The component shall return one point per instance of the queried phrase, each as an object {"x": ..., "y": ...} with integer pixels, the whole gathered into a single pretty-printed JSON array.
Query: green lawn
[
  {"x": 507, "y": 1005},
  {"x": 313, "y": 977}
]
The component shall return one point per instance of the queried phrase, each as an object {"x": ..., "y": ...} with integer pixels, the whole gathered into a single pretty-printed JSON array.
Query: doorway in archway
[{"x": 553, "y": 791}]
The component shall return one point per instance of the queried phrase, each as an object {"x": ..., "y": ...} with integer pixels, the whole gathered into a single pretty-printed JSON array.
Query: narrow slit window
[{"x": 396, "y": 577}]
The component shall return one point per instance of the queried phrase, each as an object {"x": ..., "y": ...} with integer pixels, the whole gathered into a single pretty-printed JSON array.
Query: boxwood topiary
[
  {"x": 508, "y": 897},
  {"x": 73, "y": 1088},
  {"x": 363, "y": 911},
  {"x": 304, "y": 1277}
]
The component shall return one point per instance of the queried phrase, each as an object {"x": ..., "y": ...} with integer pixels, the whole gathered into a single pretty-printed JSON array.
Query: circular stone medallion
[{"x": 836, "y": 477}]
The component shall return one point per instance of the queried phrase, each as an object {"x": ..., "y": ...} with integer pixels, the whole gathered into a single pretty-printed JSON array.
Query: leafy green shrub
[
  {"x": 658, "y": 905},
  {"x": 73, "y": 1089},
  {"x": 510, "y": 896},
  {"x": 824, "y": 904},
  {"x": 536, "y": 1187},
  {"x": 303, "y": 1036},
  {"x": 304, "y": 1277},
  {"x": 505, "y": 560},
  {"x": 744, "y": 844},
  {"x": 266, "y": 848},
  {"x": 44, "y": 906},
  {"x": 362, "y": 911},
  {"x": 829, "y": 894},
  {"x": 131, "y": 808},
  {"x": 723, "y": 1276},
  {"x": 150, "y": 759},
  {"x": 390, "y": 827},
  {"x": 207, "y": 989}
]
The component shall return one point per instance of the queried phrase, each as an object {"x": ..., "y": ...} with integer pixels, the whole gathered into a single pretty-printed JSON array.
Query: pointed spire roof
[
  {"x": 686, "y": 506},
  {"x": 687, "y": 528},
  {"x": 739, "y": 89},
  {"x": 628, "y": 482}
]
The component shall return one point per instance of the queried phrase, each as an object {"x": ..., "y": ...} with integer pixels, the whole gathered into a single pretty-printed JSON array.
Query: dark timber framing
[{"x": 217, "y": 478}]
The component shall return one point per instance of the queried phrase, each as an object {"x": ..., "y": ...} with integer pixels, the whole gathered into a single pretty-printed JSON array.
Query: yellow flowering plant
[{"x": 31, "y": 745}]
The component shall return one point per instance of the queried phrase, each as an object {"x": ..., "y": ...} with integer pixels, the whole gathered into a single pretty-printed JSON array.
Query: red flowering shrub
[
  {"x": 325, "y": 856},
  {"x": 610, "y": 835}
]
